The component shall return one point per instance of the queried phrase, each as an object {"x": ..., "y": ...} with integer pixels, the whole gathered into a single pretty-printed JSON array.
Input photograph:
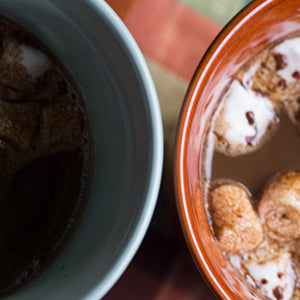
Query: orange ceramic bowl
[{"x": 259, "y": 24}]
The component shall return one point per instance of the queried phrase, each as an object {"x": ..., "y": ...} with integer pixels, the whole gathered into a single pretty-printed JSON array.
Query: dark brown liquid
[
  {"x": 38, "y": 206},
  {"x": 44, "y": 165},
  {"x": 279, "y": 152}
]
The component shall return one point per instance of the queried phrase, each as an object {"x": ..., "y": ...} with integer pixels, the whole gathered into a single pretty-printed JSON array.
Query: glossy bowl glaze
[{"x": 259, "y": 24}]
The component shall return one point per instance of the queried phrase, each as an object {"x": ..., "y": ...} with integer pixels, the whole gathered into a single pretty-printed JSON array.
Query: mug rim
[
  {"x": 130, "y": 45},
  {"x": 99, "y": 286}
]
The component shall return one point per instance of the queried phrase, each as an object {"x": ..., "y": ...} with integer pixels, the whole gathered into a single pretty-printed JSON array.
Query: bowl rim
[
  {"x": 142, "y": 70},
  {"x": 195, "y": 88}
]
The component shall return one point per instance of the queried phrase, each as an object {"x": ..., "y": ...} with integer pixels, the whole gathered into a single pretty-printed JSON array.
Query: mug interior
[
  {"x": 98, "y": 51},
  {"x": 255, "y": 27}
]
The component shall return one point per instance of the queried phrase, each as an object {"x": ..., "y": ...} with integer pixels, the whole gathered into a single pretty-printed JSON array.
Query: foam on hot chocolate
[{"x": 44, "y": 157}]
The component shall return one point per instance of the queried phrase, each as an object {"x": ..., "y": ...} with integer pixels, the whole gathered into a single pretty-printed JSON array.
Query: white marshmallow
[
  {"x": 273, "y": 274},
  {"x": 35, "y": 61},
  {"x": 290, "y": 48},
  {"x": 238, "y": 101}
]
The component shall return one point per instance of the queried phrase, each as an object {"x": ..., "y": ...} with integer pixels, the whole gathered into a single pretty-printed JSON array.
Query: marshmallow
[
  {"x": 247, "y": 81},
  {"x": 279, "y": 207},
  {"x": 242, "y": 120},
  {"x": 20, "y": 66},
  {"x": 289, "y": 50},
  {"x": 35, "y": 61},
  {"x": 275, "y": 72},
  {"x": 274, "y": 277},
  {"x": 236, "y": 224}
]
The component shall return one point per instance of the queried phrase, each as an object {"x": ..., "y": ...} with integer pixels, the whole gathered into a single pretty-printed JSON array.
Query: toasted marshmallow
[
  {"x": 242, "y": 120},
  {"x": 236, "y": 224},
  {"x": 289, "y": 49},
  {"x": 35, "y": 61},
  {"x": 279, "y": 207},
  {"x": 248, "y": 74},
  {"x": 274, "y": 277}
]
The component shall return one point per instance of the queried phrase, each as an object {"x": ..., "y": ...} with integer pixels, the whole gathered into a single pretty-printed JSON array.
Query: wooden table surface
[{"x": 173, "y": 36}]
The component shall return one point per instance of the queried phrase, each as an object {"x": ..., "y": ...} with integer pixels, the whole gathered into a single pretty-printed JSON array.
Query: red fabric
[{"x": 168, "y": 32}]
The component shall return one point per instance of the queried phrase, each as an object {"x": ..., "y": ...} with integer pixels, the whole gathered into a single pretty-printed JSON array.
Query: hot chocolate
[
  {"x": 251, "y": 167},
  {"x": 45, "y": 157}
]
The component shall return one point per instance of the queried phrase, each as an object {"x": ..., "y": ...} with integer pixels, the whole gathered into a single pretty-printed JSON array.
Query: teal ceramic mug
[{"x": 110, "y": 71}]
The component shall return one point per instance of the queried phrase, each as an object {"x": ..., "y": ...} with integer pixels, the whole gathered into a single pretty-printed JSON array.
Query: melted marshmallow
[
  {"x": 35, "y": 61},
  {"x": 274, "y": 276},
  {"x": 239, "y": 101},
  {"x": 291, "y": 50}
]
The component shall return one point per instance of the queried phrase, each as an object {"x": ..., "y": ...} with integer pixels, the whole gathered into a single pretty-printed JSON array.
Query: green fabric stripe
[{"x": 220, "y": 11}]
